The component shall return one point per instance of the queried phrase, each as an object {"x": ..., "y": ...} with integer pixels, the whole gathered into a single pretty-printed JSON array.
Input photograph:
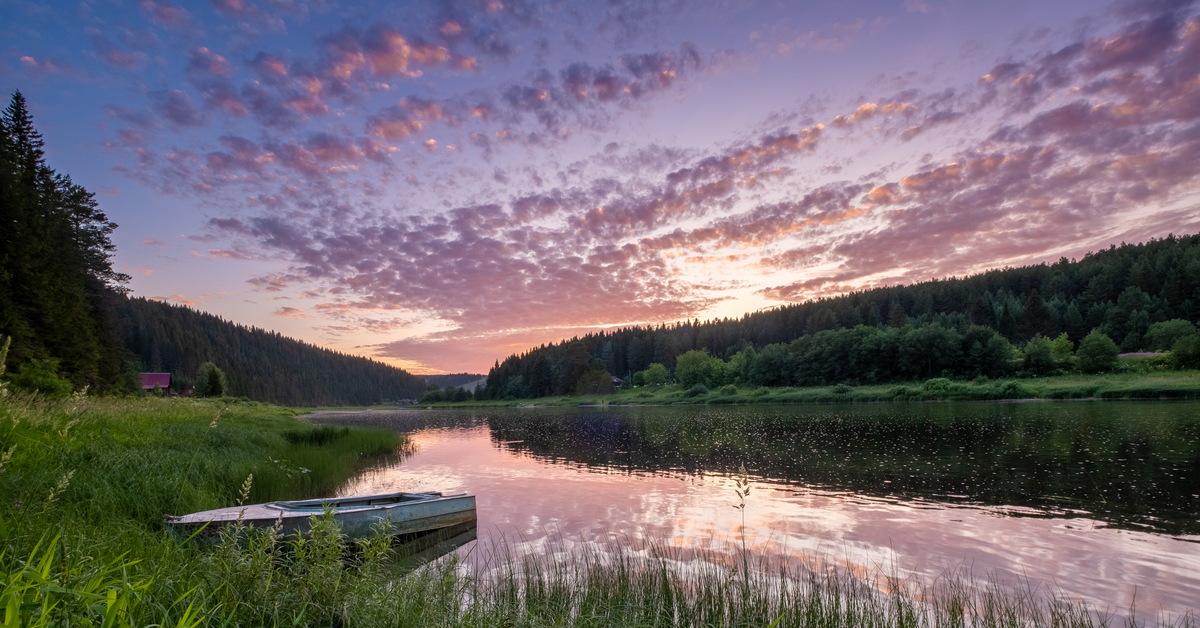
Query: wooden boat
[{"x": 406, "y": 513}]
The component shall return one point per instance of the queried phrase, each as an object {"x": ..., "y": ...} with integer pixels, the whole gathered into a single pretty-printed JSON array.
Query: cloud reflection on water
[{"x": 557, "y": 499}]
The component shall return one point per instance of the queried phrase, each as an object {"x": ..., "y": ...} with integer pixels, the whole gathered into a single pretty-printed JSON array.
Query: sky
[{"x": 439, "y": 185}]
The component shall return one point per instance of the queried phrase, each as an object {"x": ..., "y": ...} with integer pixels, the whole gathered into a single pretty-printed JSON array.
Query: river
[{"x": 1096, "y": 499}]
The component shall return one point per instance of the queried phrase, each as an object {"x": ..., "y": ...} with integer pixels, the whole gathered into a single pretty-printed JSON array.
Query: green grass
[
  {"x": 1155, "y": 384},
  {"x": 84, "y": 483}
]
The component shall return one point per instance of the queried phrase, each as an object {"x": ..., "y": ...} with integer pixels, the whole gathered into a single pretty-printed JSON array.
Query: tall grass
[
  {"x": 100, "y": 474},
  {"x": 84, "y": 484},
  {"x": 655, "y": 584}
]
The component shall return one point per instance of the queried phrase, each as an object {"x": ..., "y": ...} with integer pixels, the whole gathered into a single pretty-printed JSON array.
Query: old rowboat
[{"x": 406, "y": 513}]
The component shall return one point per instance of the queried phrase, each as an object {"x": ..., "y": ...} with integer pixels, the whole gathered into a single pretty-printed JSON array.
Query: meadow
[{"x": 84, "y": 483}]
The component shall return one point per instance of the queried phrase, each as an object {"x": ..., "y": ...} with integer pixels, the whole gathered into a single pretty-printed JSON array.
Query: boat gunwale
[{"x": 320, "y": 504}]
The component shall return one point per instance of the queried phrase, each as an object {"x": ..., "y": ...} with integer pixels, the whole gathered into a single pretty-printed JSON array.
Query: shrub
[
  {"x": 981, "y": 380},
  {"x": 1063, "y": 351},
  {"x": 654, "y": 374},
  {"x": 841, "y": 389},
  {"x": 41, "y": 376},
  {"x": 210, "y": 381},
  {"x": 1013, "y": 390},
  {"x": 1038, "y": 358},
  {"x": 697, "y": 390},
  {"x": 937, "y": 384},
  {"x": 1163, "y": 336},
  {"x": 760, "y": 391},
  {"x": 1186, "y": 352},
  {"x": 1097, "y": 352},
  {"x": 728, "y": 389},
  {"x": 900, "y": 392}
]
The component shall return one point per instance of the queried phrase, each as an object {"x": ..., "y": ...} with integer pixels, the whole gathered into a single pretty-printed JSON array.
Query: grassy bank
[
  {"x": 84, "y": 483},
  {"x": 95, "y": 476},
  {"x": 1154, "y": 385}
]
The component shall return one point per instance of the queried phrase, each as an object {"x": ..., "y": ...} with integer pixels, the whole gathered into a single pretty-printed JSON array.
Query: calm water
[{"x": 1096, "y": 498}]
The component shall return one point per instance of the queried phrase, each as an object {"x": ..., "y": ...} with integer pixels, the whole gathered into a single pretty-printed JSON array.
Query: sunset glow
[{"x": 439, "y": 185}]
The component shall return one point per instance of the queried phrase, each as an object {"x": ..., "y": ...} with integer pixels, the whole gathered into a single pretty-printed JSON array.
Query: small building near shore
[{"x": 150, "y": 380}]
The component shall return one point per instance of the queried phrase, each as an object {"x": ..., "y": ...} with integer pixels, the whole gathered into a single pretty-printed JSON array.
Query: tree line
[
  {"x": 260, "y": 364},
  {"x": 1138, "y": 297},
  {"x": 68, "y": 324}
]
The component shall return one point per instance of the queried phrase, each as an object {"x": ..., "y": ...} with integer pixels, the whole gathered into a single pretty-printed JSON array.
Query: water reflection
[
  {"x": 1134, "y": 466},
  {"x": 1096, "y": 498}
]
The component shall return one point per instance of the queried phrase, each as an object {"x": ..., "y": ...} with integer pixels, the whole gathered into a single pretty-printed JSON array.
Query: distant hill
[
  {"x": 260, "y": 364},
  {"x": 454, "y": 379}
]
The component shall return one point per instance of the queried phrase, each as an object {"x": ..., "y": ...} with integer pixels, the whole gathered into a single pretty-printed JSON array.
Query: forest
[
  {"x": 260, "y": 364},
  {"x": 1128, "y": 298},
  {"x": 70, "y": 324}
]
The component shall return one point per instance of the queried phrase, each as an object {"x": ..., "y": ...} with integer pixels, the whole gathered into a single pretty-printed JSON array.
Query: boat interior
[{"x": 361, "y": 501}]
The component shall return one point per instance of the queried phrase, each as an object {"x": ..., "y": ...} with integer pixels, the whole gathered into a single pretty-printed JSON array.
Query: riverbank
[
  {"x": 84, "y": 483},
  {"x": 1157, "y": 385}
]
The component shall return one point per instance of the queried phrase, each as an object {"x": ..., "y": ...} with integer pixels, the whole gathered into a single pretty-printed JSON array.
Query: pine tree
[{"x": 56, "y": 274}]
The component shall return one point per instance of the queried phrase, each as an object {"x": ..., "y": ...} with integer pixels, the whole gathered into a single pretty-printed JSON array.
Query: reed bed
[{"x": 84, "y": 483}]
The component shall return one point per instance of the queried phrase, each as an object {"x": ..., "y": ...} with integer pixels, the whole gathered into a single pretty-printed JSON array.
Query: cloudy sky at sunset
[{"x": 441, "y": 184}]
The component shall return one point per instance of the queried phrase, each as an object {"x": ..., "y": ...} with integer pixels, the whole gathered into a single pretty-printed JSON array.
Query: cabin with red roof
[{"x": 150, "y": 380}]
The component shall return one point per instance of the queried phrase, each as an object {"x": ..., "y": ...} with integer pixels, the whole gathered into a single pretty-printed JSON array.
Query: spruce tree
[{"x": 55, "y": 261}]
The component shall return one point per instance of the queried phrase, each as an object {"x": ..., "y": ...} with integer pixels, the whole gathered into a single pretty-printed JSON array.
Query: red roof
[{"x": 150, "y": 379}]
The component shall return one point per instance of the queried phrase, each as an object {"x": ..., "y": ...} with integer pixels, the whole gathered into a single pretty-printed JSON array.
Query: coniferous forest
[
  {"x": 1135, "y": 297},
  {"x": 72, "y": 325},
  {"x": 259, "y": 364}
]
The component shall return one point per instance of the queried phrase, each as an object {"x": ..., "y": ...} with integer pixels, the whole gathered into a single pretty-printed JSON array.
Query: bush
[
  {"x": 1038, "y": 358},
  {"x": 1063, "y": 351},
  {"x": 728, "y": 389},
  {"x": 653, "y": 375},
  {"x": 760, "y": 391},
  {"x": 937, "y": 384},
  {"x": 210, "y": 381},
  {"x": 1097, "y": 352},
  {"x": 841, "y": 389},
  {"x": 697, "y": 390},
  {"x": 1186, "y": 352},
  {"x": 41, "y": 376},
  {"x": 1163, "y": 336},
  {"x": 1013, "y": 390}
]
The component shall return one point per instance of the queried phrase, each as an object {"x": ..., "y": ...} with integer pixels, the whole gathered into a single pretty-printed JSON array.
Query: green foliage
[
  {"x": 102, "y": 472},
  {"x": 697, "y": 367},
  {"x": 1097, "y": 352},
  {"x": 210, "y": 381},
  {"x": 1163, "y": 336},
  {"x": 41, "y": 376},
  {"x": 56, "y": 276},
  {"x": 1062, "y": 351},
  {"x": 936, "y": 385},
  {"x": 1038, "y": 357},
  {"x": 38, "y": 592},
  {"x": 728, "y": 389},
  {"x": 654, "y": 375},
  {"x": 696, "y": 390},
  {"x": 1186, "y": 352}
]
